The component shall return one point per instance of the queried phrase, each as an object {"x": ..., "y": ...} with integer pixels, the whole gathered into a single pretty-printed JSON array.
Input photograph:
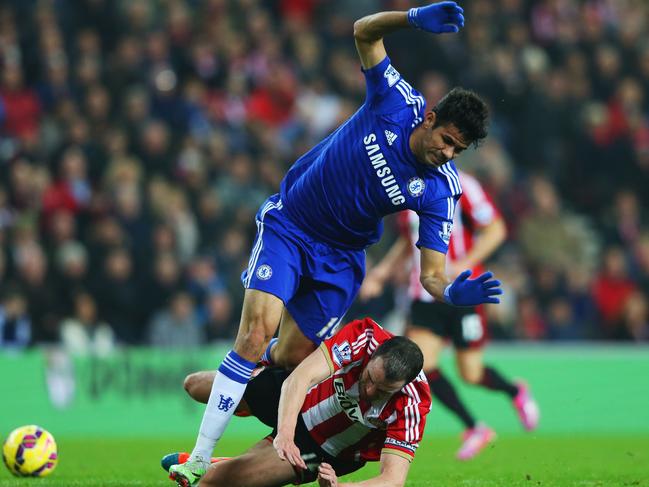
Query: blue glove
[
  {"x": 471, "y": 292},
  {"x": 437, "y": 18}
]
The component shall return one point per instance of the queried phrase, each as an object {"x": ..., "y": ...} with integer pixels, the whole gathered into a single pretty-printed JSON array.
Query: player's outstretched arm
[
  {"x": 312, "y": 370},
  {"x": 438, "y": 18},
  {"x": 394, "y": 472}
]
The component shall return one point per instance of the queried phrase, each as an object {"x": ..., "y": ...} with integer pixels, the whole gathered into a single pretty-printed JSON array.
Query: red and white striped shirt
[
  {"x": 474, "y": 210},
  {"x": 346, "y": 426}
]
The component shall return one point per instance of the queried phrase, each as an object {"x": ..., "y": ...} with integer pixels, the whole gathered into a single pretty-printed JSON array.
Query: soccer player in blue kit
[{"x": 308, "y": 258}]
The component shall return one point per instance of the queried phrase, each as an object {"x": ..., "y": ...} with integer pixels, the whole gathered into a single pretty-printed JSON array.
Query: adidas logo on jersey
[{"x": 390, "y": 136}]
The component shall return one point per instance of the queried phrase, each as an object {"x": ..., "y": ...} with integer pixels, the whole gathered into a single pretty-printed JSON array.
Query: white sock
[{"x": 227, "y": 390}]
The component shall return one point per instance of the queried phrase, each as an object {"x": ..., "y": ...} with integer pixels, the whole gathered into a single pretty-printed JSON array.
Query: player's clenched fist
[
  {"x": 287, "y": 450},
  {"x": 327, "y": 476},
  {"x": 438, "y": 18}
]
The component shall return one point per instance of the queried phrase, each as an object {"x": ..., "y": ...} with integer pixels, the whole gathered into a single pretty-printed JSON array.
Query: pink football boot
[
  {"x": 526, "y": 407},
  {"x": 474, "y": 440}
]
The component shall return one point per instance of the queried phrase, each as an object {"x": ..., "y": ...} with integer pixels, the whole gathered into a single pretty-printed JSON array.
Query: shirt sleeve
[
  {"x": 436, "y": 224},
  {"x": 387, "y": 92},
  {"x": 350, "y": 344},
  {"x": 412, "y": 407},
  {"x": 476, "y": 204}
]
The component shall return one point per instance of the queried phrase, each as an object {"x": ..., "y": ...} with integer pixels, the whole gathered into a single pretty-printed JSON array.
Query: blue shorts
[{"x": 316, "y": 282}]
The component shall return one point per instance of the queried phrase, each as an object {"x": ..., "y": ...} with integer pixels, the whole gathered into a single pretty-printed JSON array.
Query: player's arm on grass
[
  {"x": 313, "y": 369},
  {"x": 369, "y": 31},
  {"x": 462, "y": 291},
  {"x": 394, "y": 471}
]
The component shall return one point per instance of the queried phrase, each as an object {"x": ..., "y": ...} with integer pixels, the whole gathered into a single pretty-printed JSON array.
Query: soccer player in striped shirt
[
  {"x": 478, "y": 230},
  {"x": 361, "y": 397},
  {"x": 308, "y": 258}
]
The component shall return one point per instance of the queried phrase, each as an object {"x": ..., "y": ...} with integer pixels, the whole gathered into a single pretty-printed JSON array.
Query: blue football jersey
[{"x": 342, "y": 188}]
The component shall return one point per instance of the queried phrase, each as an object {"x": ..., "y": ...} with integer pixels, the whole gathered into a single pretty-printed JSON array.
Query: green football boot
[{"x": 189, "y": 473}]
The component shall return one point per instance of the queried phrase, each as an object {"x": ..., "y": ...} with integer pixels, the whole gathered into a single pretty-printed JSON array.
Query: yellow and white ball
[{"x": 30, "y": 451}]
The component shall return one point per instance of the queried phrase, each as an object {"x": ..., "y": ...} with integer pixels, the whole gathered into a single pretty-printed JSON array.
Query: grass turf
[{"x": 519, "y": 460}]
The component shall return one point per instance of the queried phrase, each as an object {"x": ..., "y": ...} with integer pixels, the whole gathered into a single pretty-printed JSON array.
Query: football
[{"x": 30, "y": 451}]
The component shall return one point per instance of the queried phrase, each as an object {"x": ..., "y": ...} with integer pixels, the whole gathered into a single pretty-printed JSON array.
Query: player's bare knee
[
  {"x": 198, "y": 385},
  {"x": 472, "y": 377},
  {"x": 191, "y": 382}
]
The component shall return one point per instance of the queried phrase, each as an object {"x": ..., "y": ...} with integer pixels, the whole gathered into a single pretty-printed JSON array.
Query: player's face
[
  {"x": 439, "y": 143},
  {"x": 373, "y": 386}
]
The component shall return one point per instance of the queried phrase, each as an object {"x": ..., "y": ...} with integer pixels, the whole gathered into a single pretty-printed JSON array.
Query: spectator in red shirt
[
  {"x": 20, "y": 107},
  {"x": 611, "y": 290}
]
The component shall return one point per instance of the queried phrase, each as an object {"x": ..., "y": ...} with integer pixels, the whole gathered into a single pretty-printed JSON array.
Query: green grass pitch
[
  {"x": 594, "y": 428},
  {"x": 513, "y": 460}
]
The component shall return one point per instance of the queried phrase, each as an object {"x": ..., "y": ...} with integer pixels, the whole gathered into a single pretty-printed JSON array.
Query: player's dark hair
[
  {"x": 402, "y": 359},
  {"x": 466, "y": 110}
]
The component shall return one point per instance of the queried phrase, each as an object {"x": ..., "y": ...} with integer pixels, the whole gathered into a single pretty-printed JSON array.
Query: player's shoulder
[
  {"x": 470, "y": 185},
  {"x": 466, "y": 178},
  {"x": 413, "y": 399},
  {"x": 450, "y": 182},
  {"x": 394, "y": 98},
  {"x": 417, "y": 391},
  {"x": 412, "y": 103},
  {"x": 371, "y": 327},
  {"x": 363, "y": 333},
  {"x": 476, "y": 201},
  {"x": 442, "y": 188}
]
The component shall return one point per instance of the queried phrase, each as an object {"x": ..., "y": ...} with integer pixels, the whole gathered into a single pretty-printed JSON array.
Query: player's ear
[{"x": 431, "y": 118}]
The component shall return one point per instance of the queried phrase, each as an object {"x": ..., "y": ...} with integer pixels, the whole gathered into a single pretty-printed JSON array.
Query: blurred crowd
[{"x": 139, "y": 137}]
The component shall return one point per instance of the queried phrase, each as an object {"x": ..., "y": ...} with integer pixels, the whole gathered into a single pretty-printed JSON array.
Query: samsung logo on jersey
[{"x": 383, "y": 171}]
